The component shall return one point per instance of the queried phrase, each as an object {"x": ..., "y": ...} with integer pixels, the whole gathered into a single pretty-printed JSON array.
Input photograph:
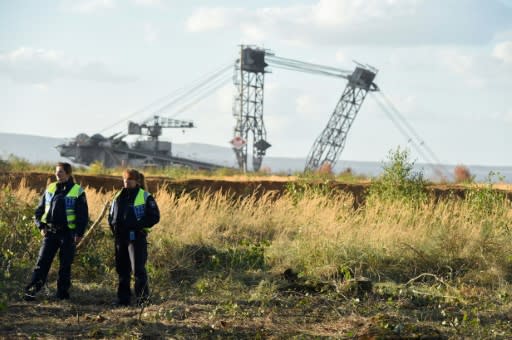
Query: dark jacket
[
  {"x": 122, "y": 218},
  {"x": 56, "y": 217}
]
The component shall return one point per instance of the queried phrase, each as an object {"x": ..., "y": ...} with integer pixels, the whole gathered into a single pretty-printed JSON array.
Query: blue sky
[{"x": 68, "y": 67}]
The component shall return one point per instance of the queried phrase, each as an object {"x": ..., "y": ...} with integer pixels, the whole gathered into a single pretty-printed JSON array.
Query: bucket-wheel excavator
[{"x": 250, "y": 69}]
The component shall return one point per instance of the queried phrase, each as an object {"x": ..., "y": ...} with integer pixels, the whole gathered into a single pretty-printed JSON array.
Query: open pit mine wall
[{"x": 236, "y": 189}]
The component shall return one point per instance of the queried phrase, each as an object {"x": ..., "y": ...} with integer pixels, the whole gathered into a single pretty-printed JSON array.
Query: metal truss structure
[
  {"x": 248, "y": 108},
  {"x": 328, "y": 146}
]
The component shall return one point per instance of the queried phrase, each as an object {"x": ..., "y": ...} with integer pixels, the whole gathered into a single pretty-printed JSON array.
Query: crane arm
[
  {"x": 301, "y": 66},
  {"x": 172, "y": 123}
]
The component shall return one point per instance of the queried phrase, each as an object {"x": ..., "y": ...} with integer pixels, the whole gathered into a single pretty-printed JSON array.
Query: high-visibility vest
[
  {"x": 70, "y": 202},
  {"x": 139, "y": 205}
]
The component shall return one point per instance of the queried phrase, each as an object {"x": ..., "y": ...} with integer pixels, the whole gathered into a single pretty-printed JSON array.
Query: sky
[{"x": 81, "y": 66}]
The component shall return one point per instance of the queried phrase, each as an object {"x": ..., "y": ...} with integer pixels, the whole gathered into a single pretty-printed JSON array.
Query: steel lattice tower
[
  {"x": 330, "y": 143},
  {"x": 249, "y": 77}
]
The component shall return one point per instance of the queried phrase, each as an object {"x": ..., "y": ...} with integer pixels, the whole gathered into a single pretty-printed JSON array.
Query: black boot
[
  {"x": 30, "y": 293},
  {"x": 62, "y": 295}
]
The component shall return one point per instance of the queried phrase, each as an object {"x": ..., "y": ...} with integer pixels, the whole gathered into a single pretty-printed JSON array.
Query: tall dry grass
[{"x": 320, "y": 236}]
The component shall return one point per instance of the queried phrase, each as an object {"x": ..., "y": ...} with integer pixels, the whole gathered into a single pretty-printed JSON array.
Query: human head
[
  {"x": 63, "y": 172},
  {"x": 132, "y": 179}
]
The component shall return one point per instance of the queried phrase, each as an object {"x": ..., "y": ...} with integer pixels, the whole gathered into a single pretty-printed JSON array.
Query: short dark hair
[{"x": 66, "y": 166}]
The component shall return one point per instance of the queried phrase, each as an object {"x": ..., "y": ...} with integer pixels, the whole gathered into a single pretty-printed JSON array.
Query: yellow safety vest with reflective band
[
  {"x": 70, "y": 202},
  {"x": 139, "y": 205}
]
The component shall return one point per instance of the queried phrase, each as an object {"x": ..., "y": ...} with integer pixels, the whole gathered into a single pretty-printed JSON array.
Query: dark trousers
[
  {"x": 65, "y": 243},
  {"x": 125, "y": 265}
]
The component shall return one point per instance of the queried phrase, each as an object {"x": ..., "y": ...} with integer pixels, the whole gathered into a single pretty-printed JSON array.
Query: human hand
[{"x": 43, "y": 231}]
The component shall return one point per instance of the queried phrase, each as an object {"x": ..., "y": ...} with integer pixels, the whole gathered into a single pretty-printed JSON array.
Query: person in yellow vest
[
  {"x": 61, "y": 216},
  {"x": 132, "y": 213}
]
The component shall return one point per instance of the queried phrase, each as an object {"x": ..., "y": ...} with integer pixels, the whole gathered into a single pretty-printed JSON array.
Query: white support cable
[
  {"x": 292, "y": 68},
  {"x": 203, "y": 96},
  {"x": 271, "y": 59},
  {"x": 174, "y": 93},
  {"x": 305, "y": 67},
  {"x": 420, "y": 140},
  {"x": 192, "y": 91},
  {"x": 402, "y": 130},
  {"x": 411, "y": 129},
  {"x": 309, "y": 68},
  {"x": 436, "y": 167}
]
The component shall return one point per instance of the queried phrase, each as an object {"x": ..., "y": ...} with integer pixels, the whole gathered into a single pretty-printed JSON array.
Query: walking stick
[{"x": 94, "y": 225}]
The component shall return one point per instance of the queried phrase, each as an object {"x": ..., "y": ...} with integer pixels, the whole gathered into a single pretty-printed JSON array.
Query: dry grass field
[{"x": 293, "y": 264}]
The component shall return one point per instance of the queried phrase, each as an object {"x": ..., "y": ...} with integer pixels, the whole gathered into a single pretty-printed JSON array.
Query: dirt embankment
[{"x": 237, "y": 188}]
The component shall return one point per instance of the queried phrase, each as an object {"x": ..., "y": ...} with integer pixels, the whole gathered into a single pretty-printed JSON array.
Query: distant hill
[
  {"x": 42, "y": 149},
  {"x": 32, "y": 148}
]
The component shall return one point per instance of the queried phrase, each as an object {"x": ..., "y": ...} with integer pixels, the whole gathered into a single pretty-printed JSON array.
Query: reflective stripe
[
  {"x": 69, "y": 201},
  {"x": 139, "y": 204}
]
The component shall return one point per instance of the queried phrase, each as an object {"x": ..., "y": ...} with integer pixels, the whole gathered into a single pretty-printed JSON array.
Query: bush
[
  {"x": 325, "y": 170},
  {"x": 486, "y": 201},
  {"x": 17, "y": 233},
  {"x": 399, "y": 181},
  {"x": 18, "y": 164},
  {"x": 462, "y": 174},
  {"x": 97, "y": 168}
]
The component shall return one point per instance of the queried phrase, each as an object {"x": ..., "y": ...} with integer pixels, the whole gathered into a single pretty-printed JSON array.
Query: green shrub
[
  {"x": 97, "y": 168},
  {"x": 18, "y": 164},
  {"x": 399, "y": 182},
  {"x": 17, "y": 233},
  {"x": 487, "y": 201}
]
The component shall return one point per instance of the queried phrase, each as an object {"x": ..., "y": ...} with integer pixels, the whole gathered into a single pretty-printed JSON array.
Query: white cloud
[
  {"x": 362, "y": 22},
  {"x": 41, "y": 87},
  {"x": 503, "y": 51},
  {"x": 150, "y": 33},
  {"x": 90, "y": 6},
  {"x": 456, "y": 61},
  {"x": 479, "y": 68},
  {"x": 341, "y": 57},
  {"x": 407, "y": 105},
  {"x": 253, "y": 33},
  {"x": 207, "y": 19},
  {"x": 225, "y": 98},
  {"x": 40, "y": 66},
  {"x": 148, "y": 3},
  {"x": 306, "y": 105},
  {"x": 334, "y": 13}
]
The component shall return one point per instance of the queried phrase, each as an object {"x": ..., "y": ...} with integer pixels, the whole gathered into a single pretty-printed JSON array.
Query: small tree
[
  {"x": 462, "y": 174},
  {"x": 399, "y": 180}
]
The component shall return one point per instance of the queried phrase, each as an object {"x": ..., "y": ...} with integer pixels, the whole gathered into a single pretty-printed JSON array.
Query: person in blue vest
[
  {"x": 132, "y": 213},
  {"x": 62, "y": 217}
]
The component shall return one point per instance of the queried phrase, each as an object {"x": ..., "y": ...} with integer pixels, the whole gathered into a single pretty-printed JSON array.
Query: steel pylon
[
  {"x": 249, "y": 76},
  {"x": 328, "y": 146}
]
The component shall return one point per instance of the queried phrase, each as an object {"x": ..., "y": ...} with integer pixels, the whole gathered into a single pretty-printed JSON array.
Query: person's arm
[
  {"x": 112, "y": 211},
  {"x": 151, "y": 215},
  {"x": 82, "y": 216},
  {"x": 38, "y": 214}
]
